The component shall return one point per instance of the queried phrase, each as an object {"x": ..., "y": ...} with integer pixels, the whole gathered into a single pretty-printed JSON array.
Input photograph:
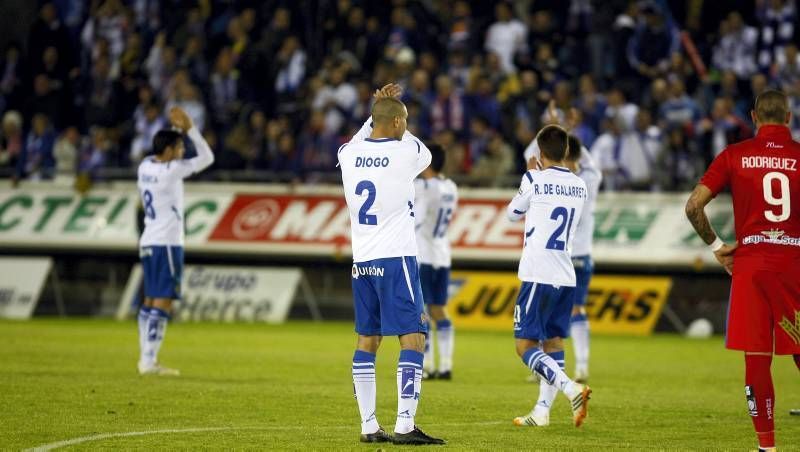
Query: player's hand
[
  {"x": 533, "y": 164},
  {"x": 390, "y": 90},
  {"x": 725, "y": 256},
  {"x": 178, "y": 118}
]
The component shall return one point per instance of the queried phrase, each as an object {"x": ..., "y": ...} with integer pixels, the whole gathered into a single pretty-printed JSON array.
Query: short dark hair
[
  {"x": 772, "y": 106},
  {"x": 437, "y": 157},
  {"x": 552, "y": 141},
  {"x": 164, "y": 139},
  {"x": 574, "y": 147}
]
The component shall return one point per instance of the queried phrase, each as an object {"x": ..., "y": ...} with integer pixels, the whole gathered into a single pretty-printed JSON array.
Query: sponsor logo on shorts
[
  {"x": 793, "y": 330},
  {"x": 366, "y": 271}
]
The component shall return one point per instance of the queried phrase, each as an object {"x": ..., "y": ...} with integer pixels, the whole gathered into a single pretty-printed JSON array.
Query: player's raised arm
[
  {"x": 390, "y": 90},
  {"x": 179, "y": 119}
]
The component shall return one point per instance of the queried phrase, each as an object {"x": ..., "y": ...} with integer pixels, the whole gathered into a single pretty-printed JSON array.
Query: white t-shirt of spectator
[
  {"x": 626, "y": 112},
  {"x": 737, "y": 52},
  {"x": 629, "y": 158},
  {"x": 145, "y": 131},
  {"x": 505, "y": 39},
  {"x": 344, "y": 97}
]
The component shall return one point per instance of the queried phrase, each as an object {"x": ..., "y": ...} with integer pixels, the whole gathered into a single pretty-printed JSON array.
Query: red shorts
[{"x": 764, "y": 312}]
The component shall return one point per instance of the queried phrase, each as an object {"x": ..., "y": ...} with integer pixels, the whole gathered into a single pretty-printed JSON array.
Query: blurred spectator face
[
  {"x": 41, "y": 85},
  {"x": 419, "y": 81},
  {"x": 257, "y": 120},
  {"x": 461, "y": 9},
  {"x": 398, "y": 17},
  {"x": 677, "y": 89},
  {"x": 477, "y": 127},
  {"x": 235, "y": 30},
  {"x": 724, "y": 27},
  {"x": 343, "y": 5},
  {"x": 721, "y": 108},
  {"x": 248, "y": 19},
  {"x": 224, "y": 61},
  {"x": 529, "y": 81},
  {"x": 364, "y": 91},
  {"x": 169, "y": 57},
  {"x": 791, "y": 54},
  {"x": 446, "y": 138},
  {"x": 145, "y": 94},
  {"x": 134, "y": 43},
  {"x": 355, "y": 19},
  {"x": 484, "y": 87},
  {"x": 735, "y": 22},
  {"x": 616, "y": 98},
  {"x": 286, "y": 144},
  {"x": 758, "y": 84},
  {"x": 493, "y": 63},
  {"x": 12, "y": 53},
  {"x": 102, "y": 67},
  {"x": 586, "y": 85},
  {"x": 659, "y": 90},
  {"x": 48, "y": 13},
  {"x": 39, "y": 124},
  {"x": 503, "y": 12},
  {"x": 337, "y": 76},
  {"x": 281, "y": 20},
  {"x": 676, "y": 61},
  {"x": 12, "y": 124},
  {"x": 541, "y": 21},
  {"x": 643, "y": 120},
  {"x": 72, "y": 135},
  {"x": 562, "y": 93},
  {"x": 50, "y": 57},
  {"x": 151, "y": 112},
  {"x": 428, "y": 61},
  {"x": 495, "y": 145},
  {"x": 194, "y": 46},
  {"x": 317, "y": 120},
  {"x": 728, "y": 81},
  {"x": 544, "y": 52},
  {"x": 444, "y": 86}
]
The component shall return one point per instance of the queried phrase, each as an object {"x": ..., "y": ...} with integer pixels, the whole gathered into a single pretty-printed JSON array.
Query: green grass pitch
[{"x": 289, "y": 388}]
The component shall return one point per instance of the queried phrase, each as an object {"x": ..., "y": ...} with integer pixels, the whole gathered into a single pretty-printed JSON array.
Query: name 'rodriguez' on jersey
[{"x": 378, "y": 177}]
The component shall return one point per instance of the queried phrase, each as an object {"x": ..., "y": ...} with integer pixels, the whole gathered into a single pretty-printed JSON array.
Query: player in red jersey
[{"x": 763, "y": 174}]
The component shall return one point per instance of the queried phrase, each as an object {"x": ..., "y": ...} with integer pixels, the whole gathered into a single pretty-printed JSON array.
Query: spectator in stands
[
  {"x": 454, "y": 163},
  {"x": 161, "y": 65},
  {"x": 96, "y": 153},
  {"x": 188, "y": 98},
  {"x": 100, "y": 107},
  {"x": 758, "y": 84},
  {"x": 11, "y": 141},
  {"x": 524, "y": 106},
  {"x": 12, "y": 77},
  {"x": 627, "y": 158},
  {"x": 506, "y": 36},
  {"x": 336, "y": 98},
  {"x": 245, "y": 144},
  {"x": 48, "y": 31},
  {"x": 482, "y": 102},
  {"x": 316, "y": 145},
  {"x": 777, "y": 19},
  {"x": 148, "y": 121},
  {"x": 448, "y": 109},
  {"x": 225, "y": 92},
  {"x": 43, "y": 101},
  {"x": 291, "y": 63},
  {"x": 720, "y": 129},
  {"x": 193, "y": 60},
  {"x": 461, "y": 29},
  {"x": 592, "y": 105},
  {"x": 66, "y": 152},
  {"x": 736, "y": 49},
  {"x": 789, "y": 70},
  {"x": 680, "y": 164},
  {"x": 480, "y": 133},
  {"x": 496, "y": 163},
  {"x": 619, "y": 107},
  {"x": 652, "y": 43},
  {"x": 680, "y": 109},
  {"x": 107, "y": 22},
  {"x": 36, "y": 161}
]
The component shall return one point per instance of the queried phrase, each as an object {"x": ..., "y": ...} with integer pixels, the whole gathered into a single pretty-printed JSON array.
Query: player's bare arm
[
  {"x": 180, "y": 119},
  {"x": 695, "y": 212}
]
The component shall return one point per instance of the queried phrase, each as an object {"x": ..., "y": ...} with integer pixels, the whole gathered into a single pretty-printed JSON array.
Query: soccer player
[
  {"x": 579, "y": 162},
  {"x": 764, "y": 311},
  {"x": 551, "y": 200},
  {"x": 379, "y": 166},
  {"x": 434, "y": 205},
  {"x": 160, "y": 183}
]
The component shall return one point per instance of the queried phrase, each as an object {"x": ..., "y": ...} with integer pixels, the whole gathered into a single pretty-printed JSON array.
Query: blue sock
[
  {"x": 409, "y": 385},
  {"x": 547, "y": 368},
  {"x": 558, "y": 357},
  {"x": 364, "y": 389},
  {"x": 578, "y": 318}
]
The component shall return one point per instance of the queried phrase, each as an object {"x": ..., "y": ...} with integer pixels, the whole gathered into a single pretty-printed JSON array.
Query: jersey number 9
[{"x": 783, "y": 202}]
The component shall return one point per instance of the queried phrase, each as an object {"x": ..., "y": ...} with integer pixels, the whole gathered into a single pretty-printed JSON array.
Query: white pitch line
[{"x": 102, "y": 436}]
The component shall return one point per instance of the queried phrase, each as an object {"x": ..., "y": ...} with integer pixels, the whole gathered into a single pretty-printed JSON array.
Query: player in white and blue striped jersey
[
  {"x": 160, "y": 183},
  {"x": 551, "y": 200},
  {"x": 436, "y": 199},
  {"x": 582, "y": 254},
  {"x": 379, "y": 166}
]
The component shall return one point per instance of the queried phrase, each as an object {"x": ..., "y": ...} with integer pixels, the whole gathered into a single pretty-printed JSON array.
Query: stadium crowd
[{"x": 655, "y": 89}]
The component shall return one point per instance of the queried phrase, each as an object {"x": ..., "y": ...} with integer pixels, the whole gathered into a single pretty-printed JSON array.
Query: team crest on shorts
[{"x": 793, "y": 330}]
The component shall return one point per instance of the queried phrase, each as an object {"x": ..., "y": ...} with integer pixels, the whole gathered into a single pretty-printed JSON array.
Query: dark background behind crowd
[{"x": 658, "y": 87}]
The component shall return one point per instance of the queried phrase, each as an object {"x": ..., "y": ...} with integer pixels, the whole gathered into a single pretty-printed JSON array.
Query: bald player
[
  {"x": 763, "y": 176},
  {"x": 379, "y": 166}
]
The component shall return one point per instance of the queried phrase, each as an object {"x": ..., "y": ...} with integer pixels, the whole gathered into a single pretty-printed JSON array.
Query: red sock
[
  {"x": 797, "y": 361},
  {"x": 760, "y": 397}
]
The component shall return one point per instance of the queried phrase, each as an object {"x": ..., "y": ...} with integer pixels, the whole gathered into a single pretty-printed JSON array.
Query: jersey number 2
[
  {"x": 783, "y": 202},
  {"x": 363, "y": 216},
  {"x": 565, "y": 217}
]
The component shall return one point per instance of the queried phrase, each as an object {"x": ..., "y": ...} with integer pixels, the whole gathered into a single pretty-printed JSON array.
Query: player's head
[
  {"x": 553, "y": 143},
  {"x": 168, "y": 145},
  {"x": 437, "y": 158},
  {"x": 772, "y": 107},
  {"x": 389, "y": 116}
]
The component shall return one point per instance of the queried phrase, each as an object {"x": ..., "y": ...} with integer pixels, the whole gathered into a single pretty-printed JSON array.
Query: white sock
[
  {"x": 156, "y": 329},
  {"x": 409, "y": 386},
  {"x": 428, "y": 363},
  {"x": 365, "y": 389},
  {"x": 579, "y": 331},
  {"x": 549, "y": 370},
  {"x": 445, "y": 335},
  {"x": 547, "y": 391},
  {"x": 141, "y": 319}
]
